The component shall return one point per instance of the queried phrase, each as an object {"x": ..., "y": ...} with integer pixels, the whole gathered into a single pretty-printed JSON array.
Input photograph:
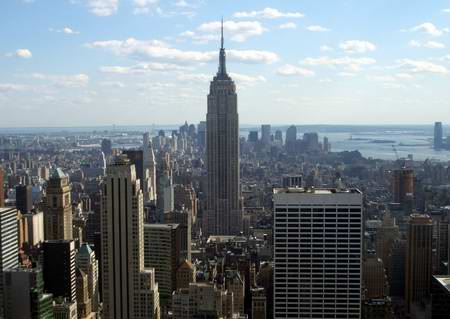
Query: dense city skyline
[{"x": 143, "y": 62}]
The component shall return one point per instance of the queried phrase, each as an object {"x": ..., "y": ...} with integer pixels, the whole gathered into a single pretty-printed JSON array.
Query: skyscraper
[
  {"x": 149, "y": 169},
  {"x": 86, "y": 261},
  {"x": 265, "y": 133},
  {"x": 223, "y": 213},
  {"x": 58, "y": 207},
  {"x": 59, "y": 269},
  {"x": 403, "y": 186},
  {"x": 2, "y": 190},
  {"x": 418, "y": 259},
  {"x": 9, "y": 244},
  {"x": 24, "y": 295},
  {"x": 129, "y": 290},
  {"x": 318, "y": 248},
  {"x": 162, "y": 252},
  {"x": 438, "y": 133},
  {"x": 24, "y": 200}
]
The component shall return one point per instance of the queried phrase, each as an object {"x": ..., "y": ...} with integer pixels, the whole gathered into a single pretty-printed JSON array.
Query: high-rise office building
[
  {"x": 136, "y": 158},
  {"x": 24, "y": 295},
  {"x": 24, "y": 199},
  {"x": 86, "y": 261},
  {"x": 58, "y": 207},
  {"x": 149, "y": 169},
  {"x": 59, "y": 269},
  {"x": 418, "y": 260},
  {"x": 259, "y": 303},
  {"x": 129, "y": 290},
  {"x": 106, "y": 147},
  {"x": 438, "y": 134},
  {"x": 201, "y": 133},
  {"x": 234, "y": 283},
  {"x": 84, "y": 304},
  {"x": 9, "y": 246},
  {"x": 318, "y": 249},
  {"x": 374, "y": 278},
  {"x": 223, "y": 215},
  {"x": 387, "y": 233},
  {"x": 161, "y": 252},
  {"x": 184, "y": 220},
  {"x": 2, "y": 189},
  {"x": 291, "y": 139},
  {"x": 35, "y": 227},
  {"x": 403, "y": 186},
  {"x": 253, "y": 137},
  {"x": 185, "y": 198},
  {"x": 164, "y": 189},
  {"x": 185, "y": 274},
  {"x": 440, "y": 297},
  {"x": 266, "y": 130},
  {"x": 279, "y": 136}
]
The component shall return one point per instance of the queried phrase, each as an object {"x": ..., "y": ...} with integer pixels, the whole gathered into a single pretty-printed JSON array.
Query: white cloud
[
  {"x": 114, "y": 84},
  {"x": 198, "y": 38},
  {"x": 68, "y": 30},
  {"x": 103, "y": 8},
  {"x": 268, "y": 13},
  {"x": 247, "y": 80},
  {"x": 288, "y": 25},
  {"x": 317, "y": 28},
  {"x": 10, "y": 87},
  {"x": 430, "y": 29},
  {"x": 354, "y": 64},
  {"x": 326, "y": 48},
  {"x": 347, "y": 74},
  {"x": 142, "y": 68},
  {"x": 21, "y": 53},
  {"x": 422, "y": 66},
  {"x": 68, "y": 81},
  {"x": 181, "y": 4},
  {"x": 252, "y": 56},
  {"x": 446, "y": 10},
  {"x": 145, "y": 6},
  {"x": 356, "y": 46},
  {"x": 429, "y": 44},
  {"x": 239, "y": 31},
  {"x": 290, "y": 69},
  {"x": 65, "y": 30},
  {"x": 161, "y": 50}
]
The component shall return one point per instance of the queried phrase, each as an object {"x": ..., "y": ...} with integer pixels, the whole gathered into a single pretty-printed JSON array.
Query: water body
[{"x": 374, "y": 141}]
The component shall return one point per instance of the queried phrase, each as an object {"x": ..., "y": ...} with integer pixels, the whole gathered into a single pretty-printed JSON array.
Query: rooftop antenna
[{"x": 221, "y": 38}]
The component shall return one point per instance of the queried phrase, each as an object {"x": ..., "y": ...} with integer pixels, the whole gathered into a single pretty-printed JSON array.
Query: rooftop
[
  {"x": 444, "y": 281},
  {"x": 318, "y": 191}
]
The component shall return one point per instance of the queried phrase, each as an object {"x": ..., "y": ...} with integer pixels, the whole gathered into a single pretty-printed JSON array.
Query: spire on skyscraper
[{"x": 222, "y": 63}]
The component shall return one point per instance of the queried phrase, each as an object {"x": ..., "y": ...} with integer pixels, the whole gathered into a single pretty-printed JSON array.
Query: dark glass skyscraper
[
  {"x": 438, "y": 133},
  {"x": 223, "y": 215}
]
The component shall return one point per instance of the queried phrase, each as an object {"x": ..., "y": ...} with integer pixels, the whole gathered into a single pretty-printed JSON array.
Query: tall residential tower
[{"x": 223, "y": 215}]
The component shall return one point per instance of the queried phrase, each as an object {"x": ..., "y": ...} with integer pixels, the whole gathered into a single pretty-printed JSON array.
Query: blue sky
[{"x": 102, "y": 62}]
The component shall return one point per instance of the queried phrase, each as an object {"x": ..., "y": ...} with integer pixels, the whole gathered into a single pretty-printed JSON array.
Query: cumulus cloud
[
  {"x": 429, "y": 28},
  {"x": 239, "y": 31},
  {"x": 68, "y": 81},
  {"x": 446, "y": 10},
  {"x": 422, "y": 66},
  {"x": 247, "y": 80},
  {"x": 10, "y": 87},
  {"x": 290, "y": 69},
  {"x": 326, "y": 48},
  {"x": 103, "y": 8},
  {"x": 354, "y": 64},
  {"x": 288, "y": 25},
  {"x": 145, "y": 6},
  {"x": 160, "y": 50},
  {"x": 356, "y": 46},
  {"x": 23, "y": 53},
  {"x": 65, "y": 30},
  {"x": 252, "y": 56},
  {"x": 142, "y": 68},
  {"x": 268, "y": 13},
  {"x": 317, "y": 28},
  {"x": 429, "y": 44}
]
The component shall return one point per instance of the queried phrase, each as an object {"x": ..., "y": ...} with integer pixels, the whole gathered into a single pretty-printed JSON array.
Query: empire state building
[{"x": 223, "y": 215}]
